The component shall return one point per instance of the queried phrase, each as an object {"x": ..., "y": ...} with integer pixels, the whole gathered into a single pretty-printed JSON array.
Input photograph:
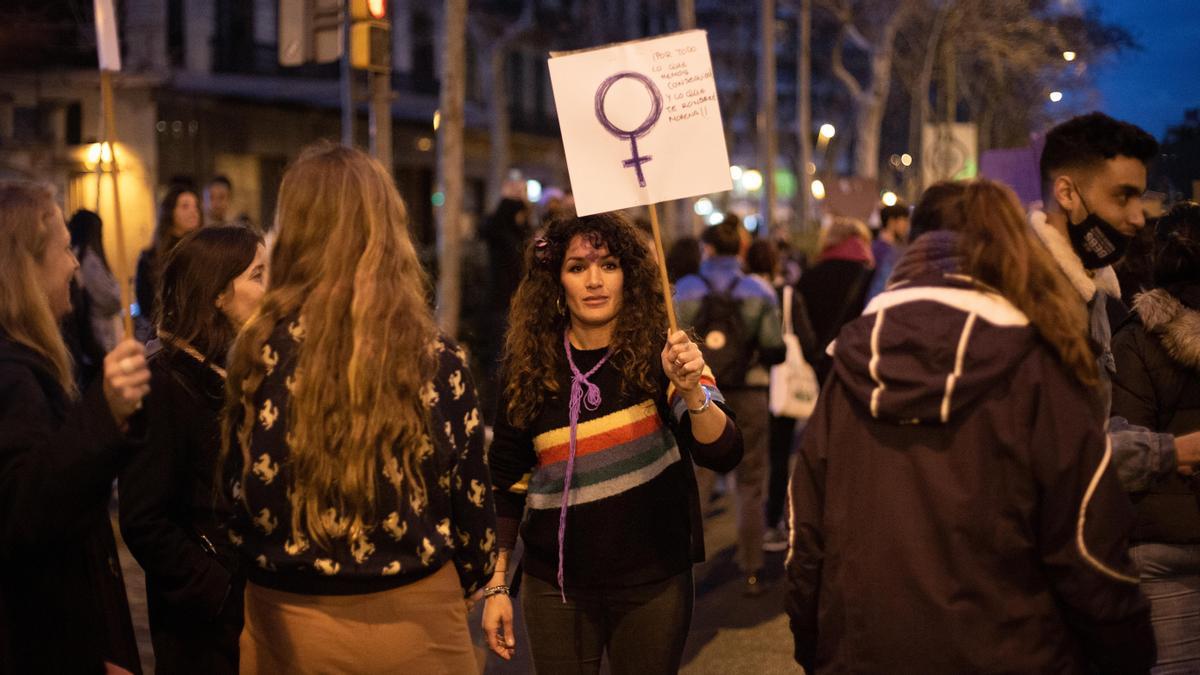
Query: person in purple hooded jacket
[{"x": 954, "y": 508}]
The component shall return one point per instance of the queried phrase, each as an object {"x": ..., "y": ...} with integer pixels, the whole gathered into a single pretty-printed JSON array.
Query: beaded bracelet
[{"x": 495, "y": 590}]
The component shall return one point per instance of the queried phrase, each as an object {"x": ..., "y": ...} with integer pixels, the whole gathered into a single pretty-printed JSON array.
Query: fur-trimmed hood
[
  {"x": 1085, "y": 281},
  {"x": 1174, "y": 324}
]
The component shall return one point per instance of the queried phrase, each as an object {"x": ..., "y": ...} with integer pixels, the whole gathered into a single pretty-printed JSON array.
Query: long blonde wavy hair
[
  {"x": 27, "y": 211},
  {"x": 345, "y": 263}
]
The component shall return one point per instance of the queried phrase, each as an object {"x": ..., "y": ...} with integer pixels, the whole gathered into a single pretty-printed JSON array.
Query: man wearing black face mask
[{"x": 1093, "y": 172}]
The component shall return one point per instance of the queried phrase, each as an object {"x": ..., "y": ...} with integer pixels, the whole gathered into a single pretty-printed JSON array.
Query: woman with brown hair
[
  {"x": 954, "y": 509},
  {"x": 353, "y": 443},
  {"x": 211, "y": 283},
  {"x": 835, "y": 289},
  {"x": 594, "y": 403},
  {"x": 62, "y": 599},
  {"x": 178, "y": 214}
]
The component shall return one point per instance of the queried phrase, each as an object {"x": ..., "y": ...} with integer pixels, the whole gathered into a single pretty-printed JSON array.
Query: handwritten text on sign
[{"x": 640, "y": 122}]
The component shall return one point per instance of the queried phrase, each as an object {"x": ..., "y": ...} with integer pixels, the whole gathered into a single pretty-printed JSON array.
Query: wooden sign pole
[
  {"x": 110, "y": 139},
  {"x": 662, "y": 268}
]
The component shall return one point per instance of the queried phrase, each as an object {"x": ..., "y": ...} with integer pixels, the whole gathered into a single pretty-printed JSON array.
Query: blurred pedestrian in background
[
  {"x": 683, "y": 258},
  {"x": 834, "y": 290},
  {"x": 888, "y": 245},
  {"x": 178, "y": 214},
  {"x": 736, "y": 318},
  {"x": 96, "y": 277}
]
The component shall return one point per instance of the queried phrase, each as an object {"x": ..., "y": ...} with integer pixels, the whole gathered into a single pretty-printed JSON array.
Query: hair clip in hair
[{"x": 541, "y": 251}]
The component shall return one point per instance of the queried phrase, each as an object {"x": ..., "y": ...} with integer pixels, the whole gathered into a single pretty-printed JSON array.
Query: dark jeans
[
  {"x": 642, "y": 628},
  {"x": 1171, "y": 581},
  {"x": 783, "y": 435}
]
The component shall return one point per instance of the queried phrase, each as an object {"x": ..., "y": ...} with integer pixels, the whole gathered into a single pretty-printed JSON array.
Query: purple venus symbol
[{"x": 636, "y": 161}]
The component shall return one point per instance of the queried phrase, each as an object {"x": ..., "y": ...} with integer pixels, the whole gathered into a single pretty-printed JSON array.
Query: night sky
[{"x": 1152, "y": 87}]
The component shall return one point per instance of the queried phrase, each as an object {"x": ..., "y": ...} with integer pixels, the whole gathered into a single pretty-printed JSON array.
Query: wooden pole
[
  {"x": 99, "y": 176},
  {"x": 662, "y": 268},
  {"x": 110, "y": 138}
]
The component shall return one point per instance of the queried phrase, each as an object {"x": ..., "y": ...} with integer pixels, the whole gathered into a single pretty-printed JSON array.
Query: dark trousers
[
  {"x": 642, "y": 628},
  {"x": 750, "y": 476},
  {"x": 783, "y": 436}
]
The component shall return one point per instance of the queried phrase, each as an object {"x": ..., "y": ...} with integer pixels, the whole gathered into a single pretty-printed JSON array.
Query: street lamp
[
  {"x": 818, "y": 189},
  {"x": 827, "y": 132},
  {"x": 752, "y": 180},
  {"x": 1069, "y": 56},
  {"x": 99, "y": 152},
  {"x": 1055, "y": 96},
  {"x": 906, "y": 159},
  {"x": 889, "y": 198}
]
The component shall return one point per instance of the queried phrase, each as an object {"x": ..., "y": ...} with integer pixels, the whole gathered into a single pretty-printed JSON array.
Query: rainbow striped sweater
[{"x": 633, "y": 515}]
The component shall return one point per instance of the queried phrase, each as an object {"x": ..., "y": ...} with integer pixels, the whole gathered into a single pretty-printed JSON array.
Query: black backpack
[{"x": 723, "y": 335}]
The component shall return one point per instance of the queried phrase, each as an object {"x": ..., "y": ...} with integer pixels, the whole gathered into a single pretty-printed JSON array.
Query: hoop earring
[{"x": 559, "y": 304}]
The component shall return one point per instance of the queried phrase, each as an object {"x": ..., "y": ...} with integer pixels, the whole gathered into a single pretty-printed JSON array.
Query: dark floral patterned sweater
[{"x": 411, "y": 539}]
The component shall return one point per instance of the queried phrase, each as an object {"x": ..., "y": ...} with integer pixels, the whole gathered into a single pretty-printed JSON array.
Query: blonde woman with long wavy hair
[
  {"x": 62, "y": 606},
  {"x": 353, "y": 446}
]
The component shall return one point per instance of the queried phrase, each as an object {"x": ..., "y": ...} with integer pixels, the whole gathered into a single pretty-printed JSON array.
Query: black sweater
[
  {"x": 634, "y": 515},
  {"x": 62, "y": 599},
  {"x": 410, "y": 540}
]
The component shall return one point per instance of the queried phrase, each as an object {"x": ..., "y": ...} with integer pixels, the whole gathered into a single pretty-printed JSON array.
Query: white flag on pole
[{"x": 106, "y": 35}]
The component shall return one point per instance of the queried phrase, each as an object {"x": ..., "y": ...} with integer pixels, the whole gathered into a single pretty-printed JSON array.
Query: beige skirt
[{"x": 418, "y": 628}]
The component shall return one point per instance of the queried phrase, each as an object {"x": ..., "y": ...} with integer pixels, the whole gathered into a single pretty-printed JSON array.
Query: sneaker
[
  {"x": 774, "y": 540},
  {"x": 753, "y": 586}
]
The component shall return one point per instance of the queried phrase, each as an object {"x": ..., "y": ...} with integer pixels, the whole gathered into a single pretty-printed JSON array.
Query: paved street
[{"x": 730, "y": 634}]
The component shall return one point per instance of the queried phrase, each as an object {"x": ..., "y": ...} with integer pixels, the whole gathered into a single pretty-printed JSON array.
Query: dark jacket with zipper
[
  {"x": 174, "y": 524},
  {"x": 954, "y": 509},
  {"x": 1157, "y": 386},
  {"x": 62, "y": 599}
]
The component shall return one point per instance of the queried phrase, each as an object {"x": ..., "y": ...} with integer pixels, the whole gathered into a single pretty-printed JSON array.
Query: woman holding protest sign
[{"x": 594, "y": 402}]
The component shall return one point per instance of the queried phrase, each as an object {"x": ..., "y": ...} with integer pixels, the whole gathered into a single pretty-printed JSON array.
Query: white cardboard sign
[
  {"x": 640, "y": 122},
  {"x": 109, "y": 50}
]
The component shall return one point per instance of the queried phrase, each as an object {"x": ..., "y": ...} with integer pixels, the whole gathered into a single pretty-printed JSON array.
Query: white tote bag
[{"x": 794, "y": 387}]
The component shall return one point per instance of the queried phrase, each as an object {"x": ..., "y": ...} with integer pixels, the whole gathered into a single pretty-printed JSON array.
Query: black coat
[
  {"x": 62, "y": 599},
  {"x": 834, "y": 292},
  {"x": 1157, "y": 385},
  {"x": 174, "y": 526}
]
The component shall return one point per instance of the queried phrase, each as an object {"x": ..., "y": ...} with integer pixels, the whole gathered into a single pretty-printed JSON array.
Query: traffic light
[
  {"x": 370, "y": 35},
  {"x": 369, "y": 10}
]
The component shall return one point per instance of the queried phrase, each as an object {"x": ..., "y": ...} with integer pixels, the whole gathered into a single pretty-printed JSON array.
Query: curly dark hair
[
  {"x": 533, "y": 355},
  {"x": 1088, "y": 140}
]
